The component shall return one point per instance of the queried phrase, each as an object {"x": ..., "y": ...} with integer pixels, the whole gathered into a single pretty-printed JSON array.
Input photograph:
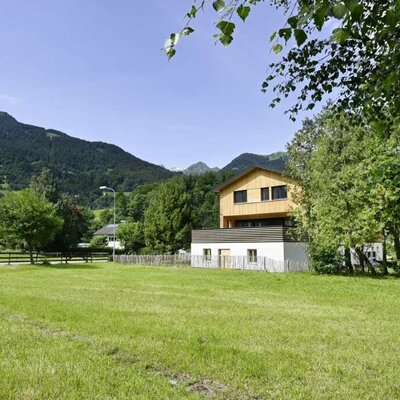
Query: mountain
[
  {"x": 81, "y": 166},
  {"x": 198, "y": 169},
  {"x": 274, "y": 161}
]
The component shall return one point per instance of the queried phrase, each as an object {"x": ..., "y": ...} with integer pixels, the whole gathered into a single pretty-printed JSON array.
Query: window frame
[
  {"x": 234, "y": 196},
  {"x": 207, "y": 254},
  {"x": 279, "y": 187},
  {"x": 268, "y": 190},
  {"x": 252, "y": 256}
]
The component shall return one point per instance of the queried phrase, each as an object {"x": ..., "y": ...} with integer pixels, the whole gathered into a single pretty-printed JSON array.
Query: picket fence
[{"x": 223, "y": 262}]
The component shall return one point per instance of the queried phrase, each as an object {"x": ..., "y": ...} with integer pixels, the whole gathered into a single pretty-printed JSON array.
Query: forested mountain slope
[
  {"x": 80, "y": 166},
  {"x": 274, "y": 161}
]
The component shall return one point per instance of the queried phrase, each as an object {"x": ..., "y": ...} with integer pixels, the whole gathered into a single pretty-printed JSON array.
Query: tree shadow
[{"x": 69, "y": 266}]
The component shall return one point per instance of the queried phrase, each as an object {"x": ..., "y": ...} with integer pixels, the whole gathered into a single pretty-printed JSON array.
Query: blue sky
[{"x": 94, "y": 69}]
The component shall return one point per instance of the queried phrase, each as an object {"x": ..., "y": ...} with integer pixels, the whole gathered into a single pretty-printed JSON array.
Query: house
[
  {"x": 108, "y": 232},
  {"x": 255, "y": 226}
]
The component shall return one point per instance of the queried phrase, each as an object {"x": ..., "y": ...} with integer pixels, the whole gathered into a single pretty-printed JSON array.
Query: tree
[
  {"x": 106, "y": 216},
  {"x": 77, "y": 219},
  {"x": 121, "y": 204},
  {"x": 342, "y": 170},
  {"x": 46, "y": 185},
  {"x": 139, "y": 201},
  {"x": 132, "y": 236},
  {"x": 167, "y": 223},
  {"x": 26, "y": 217},
  {"x": 358, "y": 54},
  {"x": 77, "y": 223}
]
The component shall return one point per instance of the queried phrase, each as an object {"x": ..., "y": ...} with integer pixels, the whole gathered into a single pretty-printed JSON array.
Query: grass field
[{"x": 115, "y": 332}]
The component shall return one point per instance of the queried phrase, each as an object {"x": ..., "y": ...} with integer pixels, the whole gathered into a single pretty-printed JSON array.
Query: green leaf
[
  {"x": 243, "y": 12},
  {"x": 277, "y": 48},
  {"x": 285, "y": 33},
  {"x": 226, "y": 27},
  {"x": 175, "y": 38},
  {"x": 340, "y": 35},
  {"x": 300, "y": 36},
  {"x": 292, "y": 21},
  {"x": 391, "y": 19},
  {"x": 339, "y": 10},
  {"x": 187, "y": 31},
  {"x": 357, "y": 12},
  {"x": 219, "y": 5},
  {"x": 170, "y": 53},
  {"x": 192, "y": 13},
  {"x": 226, "y": 39}
]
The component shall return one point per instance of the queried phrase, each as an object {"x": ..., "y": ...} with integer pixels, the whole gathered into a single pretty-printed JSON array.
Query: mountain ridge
[
  {"x": 274, "y": 161},
  {"x": 80, "y": 165}
]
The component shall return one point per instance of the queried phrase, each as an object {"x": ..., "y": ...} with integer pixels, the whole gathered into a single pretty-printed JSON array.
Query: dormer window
[
  {"x": 279, "y": 192},
  {"x": 240, "y": 196}
]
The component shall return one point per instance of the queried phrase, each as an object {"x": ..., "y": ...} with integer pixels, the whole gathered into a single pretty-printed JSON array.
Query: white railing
[{"x": 223, "y": 262}]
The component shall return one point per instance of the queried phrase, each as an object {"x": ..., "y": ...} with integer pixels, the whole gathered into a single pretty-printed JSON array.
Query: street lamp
[{"x": 105, "y": 188}]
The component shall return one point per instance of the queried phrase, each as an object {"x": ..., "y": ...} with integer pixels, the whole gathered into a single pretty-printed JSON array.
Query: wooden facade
[{"x": 253, "y": 181}]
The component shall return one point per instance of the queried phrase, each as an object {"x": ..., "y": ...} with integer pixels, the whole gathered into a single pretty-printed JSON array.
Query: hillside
[
  {"x": 199, "y": 168},
  {"x": 80, "y": 165},
  {"x": 274, "y": 161}
]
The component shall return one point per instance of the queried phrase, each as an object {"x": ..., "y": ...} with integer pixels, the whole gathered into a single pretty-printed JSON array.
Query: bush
[
  {"x": 325, "y": 259},
  {"x": 98, "y": 241}
]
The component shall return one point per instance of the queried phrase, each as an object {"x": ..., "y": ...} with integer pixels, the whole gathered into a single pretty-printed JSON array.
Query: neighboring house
[
  {"x": 254, "y": 224},
  {"x": 108, "y": 232}
]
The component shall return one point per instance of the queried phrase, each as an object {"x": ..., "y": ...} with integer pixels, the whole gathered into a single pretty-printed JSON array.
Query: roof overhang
[{"x": 240, "y": 176}]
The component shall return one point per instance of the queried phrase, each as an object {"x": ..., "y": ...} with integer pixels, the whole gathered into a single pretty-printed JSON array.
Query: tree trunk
[
  {"x": 31, "y": 253},
  {"x": 361, "y": 260},
  {"x": 347, "y": 257},
  {"x": 397, "y": 245},
  {"x": 384, "y": 255},
  {"x": 365, "y": 261}
]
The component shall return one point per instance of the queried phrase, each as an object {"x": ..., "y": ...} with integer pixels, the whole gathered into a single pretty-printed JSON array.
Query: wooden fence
[
  {"x": 223, "y": 262},
  {"x": 64, "y": 258}
]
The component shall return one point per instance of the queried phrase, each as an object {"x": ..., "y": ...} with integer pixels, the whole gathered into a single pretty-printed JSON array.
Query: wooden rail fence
[
  {"x": 224, "y": 262},
  {"x": 54, "y": 257}
]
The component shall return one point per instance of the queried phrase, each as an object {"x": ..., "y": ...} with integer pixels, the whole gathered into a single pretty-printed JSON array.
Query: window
[
  {"x": 279, "y": 192},
  {"x": 265, "y": 194},
  {"x": 240, "y": 196},
  {"x": 252, "y": 255},
  {"x": 207, "y": 254}
]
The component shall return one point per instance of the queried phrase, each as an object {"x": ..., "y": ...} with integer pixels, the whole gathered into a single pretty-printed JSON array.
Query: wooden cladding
[
  {"x": 242, "y": 235},
  {"x": 267, "y": 194}
]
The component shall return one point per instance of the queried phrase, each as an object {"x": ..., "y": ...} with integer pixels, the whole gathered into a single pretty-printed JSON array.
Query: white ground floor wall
[{"x": 272, "y": 256}]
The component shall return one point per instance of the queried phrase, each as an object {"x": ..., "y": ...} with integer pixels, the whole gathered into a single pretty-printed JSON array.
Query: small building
[
  {"x": 254, "y": 228},
  {"x": 108, "y": 232}
]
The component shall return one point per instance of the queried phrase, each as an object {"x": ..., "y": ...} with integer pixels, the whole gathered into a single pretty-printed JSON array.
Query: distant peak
[
  {"x": 6, "y": 116},
  {"x": 6, "y": 120},
  {"x": 198, "y": 169}
]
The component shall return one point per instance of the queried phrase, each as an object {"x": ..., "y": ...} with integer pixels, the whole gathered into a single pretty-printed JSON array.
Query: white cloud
[{"x": 8, "y": 100}]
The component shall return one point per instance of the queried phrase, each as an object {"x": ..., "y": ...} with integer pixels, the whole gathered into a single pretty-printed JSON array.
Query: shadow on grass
[
  {"x": 68, "y": 266},
  {"x": 362, "y": 275}
]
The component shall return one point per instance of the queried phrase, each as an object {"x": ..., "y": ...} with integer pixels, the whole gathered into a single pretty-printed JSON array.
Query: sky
[{"x": 94, "y": 69}]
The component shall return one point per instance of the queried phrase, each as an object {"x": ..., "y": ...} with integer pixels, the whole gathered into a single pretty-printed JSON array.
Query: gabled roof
[
  {"x": 107, "y": 230},
  {"x": 244, "y": 173}
]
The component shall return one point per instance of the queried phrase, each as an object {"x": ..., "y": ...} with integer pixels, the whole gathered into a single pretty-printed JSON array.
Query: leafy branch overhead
[{"x": 350, "y": 46}]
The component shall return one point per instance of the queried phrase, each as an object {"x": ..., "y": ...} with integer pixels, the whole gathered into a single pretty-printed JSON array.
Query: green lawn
[{"x": 117, "y": 332}]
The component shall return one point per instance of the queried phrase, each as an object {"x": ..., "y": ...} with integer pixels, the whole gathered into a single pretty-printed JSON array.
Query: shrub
[{"x": 325, "y": 259}]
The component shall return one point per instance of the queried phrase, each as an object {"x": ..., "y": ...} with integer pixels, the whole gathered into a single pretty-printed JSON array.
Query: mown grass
[{"x": 105, "y": 331}]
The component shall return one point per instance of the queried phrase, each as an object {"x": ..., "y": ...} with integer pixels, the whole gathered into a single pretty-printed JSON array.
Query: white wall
[
  {"x": 369, "y": 247},
  {"x": 275, "y": 251}
]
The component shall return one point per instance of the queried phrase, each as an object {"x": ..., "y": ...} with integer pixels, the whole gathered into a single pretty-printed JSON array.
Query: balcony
[{"x": 265, "y": 234}]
